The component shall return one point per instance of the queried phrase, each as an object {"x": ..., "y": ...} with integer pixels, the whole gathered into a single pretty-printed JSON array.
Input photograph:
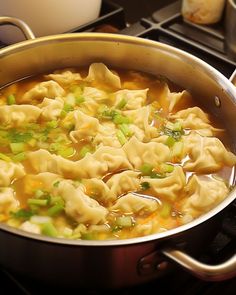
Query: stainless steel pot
[{"x": 117, "y": 263}]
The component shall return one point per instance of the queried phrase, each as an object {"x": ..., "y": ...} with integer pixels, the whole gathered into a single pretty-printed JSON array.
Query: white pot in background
[{"x": 47, "y": 17}]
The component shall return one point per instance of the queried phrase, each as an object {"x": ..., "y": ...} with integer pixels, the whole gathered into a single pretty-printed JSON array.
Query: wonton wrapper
[
  {"x": 8, "y": 202},
  {"x": 170, "y": 187},
  {"x": 132, "y": 203},
  {"x": 206, "y": 154},
  {"x": 9, "y": 172},
  {"x": 195, "y": 119},
  {"x": 101, "y": 162},
  {"x": 135, "y": 99},
  {"x": 139, "y": 153},
  {"x": 124, "y": 182},
  {"x": 17, "y": 115},
  {"x": 101, "y": 74},
  {"x": 64, "y": 78},
  {"x": 203, "y": 195},
  {"x": 49, "y": 89}
]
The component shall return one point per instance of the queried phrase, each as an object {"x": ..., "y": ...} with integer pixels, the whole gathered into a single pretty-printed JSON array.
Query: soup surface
[{"x": 103, "y": 154}]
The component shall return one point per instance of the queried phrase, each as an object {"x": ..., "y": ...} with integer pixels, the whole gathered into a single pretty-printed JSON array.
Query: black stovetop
[{"x": 207, "y": 42}]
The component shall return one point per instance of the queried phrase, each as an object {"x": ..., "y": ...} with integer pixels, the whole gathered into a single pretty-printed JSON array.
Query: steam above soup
[{"x": 107, "y": 155}]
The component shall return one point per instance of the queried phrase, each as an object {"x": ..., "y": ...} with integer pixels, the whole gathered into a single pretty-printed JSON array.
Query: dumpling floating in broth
[{"x": 99, "y": 153}]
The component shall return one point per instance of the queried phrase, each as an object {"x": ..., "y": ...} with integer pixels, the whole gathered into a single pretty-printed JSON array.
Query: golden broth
[{"x": 46, "y": 135}]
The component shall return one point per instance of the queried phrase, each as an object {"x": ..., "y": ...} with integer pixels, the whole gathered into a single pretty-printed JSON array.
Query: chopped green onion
[
  {"x": 37, "y": 202},
  {"x": 125, "y": 130},
  {"x": 146, "y": 169},
  {"x": 121, "y": 137},
  {"x": 5, "y": 158},
  {"x": 17, "y": 147},
  {"x": 165, "y": 210},
  {"x": 89, "y": 236},
  {"x": 79, "y": 99},
  {"x": 15, "y": 136},
  {"x": 55, "y": 147},
  {"x": 177, "y": 149},
  {"x": 39, "y": 193},
  {"x": 11, "y": 99},
  {"x": 167, "y": 168},
  {"x": 121, "y": 104},
  {"x": 68, "y": 108},
  {"x": 145, "y": 185},
  {"x": 124, "y": 221},
  {"x": 57, "y": 201},
  {"x": 120, "y": 119},
  {"x": 52, "y": 124},
  {"x": 56, "y": 184},
  {"x": 22, "y": 214},
  {"x": 19, "y": 157},
  {"x": 48, "y": 229},
  {"x": 170, "y": 141},
  {"x": 32, "y": 142},
  {"x": 56, "y": 209},
  {"x": 85, "y": 149},
  {"x": 157, "y": 175},
  {"x": 175, "y": 134},
  {"x": 66, "y": 153},
  {"x": 177, "y": 126}
]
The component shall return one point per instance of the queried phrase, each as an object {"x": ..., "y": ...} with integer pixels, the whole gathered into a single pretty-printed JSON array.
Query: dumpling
[
  {"x": 106, "y": 135},
  {"x": 139, "y": 153},
  {"x": 170, "y": 187},
  {"x": 93, "y": 99},
  {"x": 101, "y": 74},
  {"x": 8, "y": 202},
  {"x": 49, "y": 89},
  {"x": 51, "y": 108},
  {"x": 124, "y": 182},
  {"x": 104, "y": 160},
  {"x": 133, "y": 203},
  {"x": 16, "y": 115},
  {"x": 9, "y": 172},
  {"x": 64, "y": 78},
  {"x": 141, "y": 118},
  {"x": 195, "y": 119},
  {"x": 206, "y": 154},
  {"x": 133, "y": 99},
  {"x": 174, "y": 98},
  {"x": 98, "y": 190},
  {"x": 85, "y": 126},
  {"x": 79, "y": 206},
  {"x": 202, "y": 195}
]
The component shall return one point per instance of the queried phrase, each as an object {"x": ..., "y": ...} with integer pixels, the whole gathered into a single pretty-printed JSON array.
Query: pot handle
[
  {"x": 233, "y": 77},
  {"x": 25, "y": 29},
  {"x": 219, "y": 272}
]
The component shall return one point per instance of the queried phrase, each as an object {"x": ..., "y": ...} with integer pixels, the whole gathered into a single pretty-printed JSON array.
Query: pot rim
[{"x": 226, "y": 85}]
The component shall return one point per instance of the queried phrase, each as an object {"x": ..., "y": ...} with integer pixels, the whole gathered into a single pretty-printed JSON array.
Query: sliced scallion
[
  {"x": 84, "y": 150},
  {"x": 48, "y": 229},
  {"x": 121, "y": 104},
  {"x": 124, "y": 221},
  {"x": 146, "y": 169},
  {"x": 66, "y": 153},
  {"x": 55, "y": 210},
  {"x": 37, "y": 202},
  {"x": 4, "y": 157},
  {"x": 17, "y": 147},
  {"x": 121, "y": 137},
  {"x": 11, "y": 99},
  {"x": 19, "y": 157}
]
